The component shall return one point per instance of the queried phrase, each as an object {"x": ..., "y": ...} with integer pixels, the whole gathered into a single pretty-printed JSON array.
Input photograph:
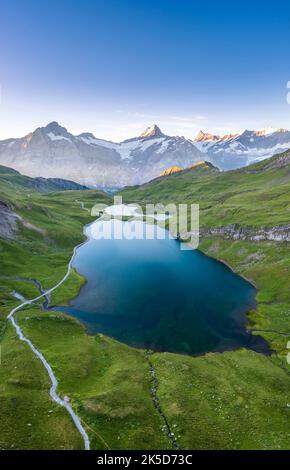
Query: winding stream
[{"x": 54, "y": 383}]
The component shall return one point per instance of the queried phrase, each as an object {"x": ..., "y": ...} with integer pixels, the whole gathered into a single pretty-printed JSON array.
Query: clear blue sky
[{"x": 115, "y": 66}]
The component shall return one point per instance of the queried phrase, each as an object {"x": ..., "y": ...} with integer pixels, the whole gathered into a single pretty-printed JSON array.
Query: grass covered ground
[
  {"x": 223, "y": 400},
  {"x": 258, "y": 195},
  {"x": 267, "y": 265},
  {"x": 255, "y": 196},
  {"x": 231, "y": 400},
  {"x": 52, "y": 224},
  {"x": 29, "y": 418},
  {"x": 108, "y": 382},
  {"x": 235, "y": 399}
]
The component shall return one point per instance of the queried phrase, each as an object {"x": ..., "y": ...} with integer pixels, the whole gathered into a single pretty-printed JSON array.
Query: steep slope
[
  {"x": 18, "y": 207},
  {"x": 171, "y": 171},
  {"x": 202, "y": 165},
  {"x": 9, "y": 176},
  {"x": 110, "y": 384},
  {"x": 244, "y": 221},
  {"x": 52, "y": 152},
  {"x": 257, "y": 195},
  {"x": 196, "y": 169},
  {"x": 238, "y": 150},
  {"x": 153, "y": 152}
]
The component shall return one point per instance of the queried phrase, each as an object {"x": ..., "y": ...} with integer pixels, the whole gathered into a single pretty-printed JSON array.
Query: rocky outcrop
[
  {"x": 279, "y": 233},
  {"x": 53, "y": 152},
  {"x": 229, "y": 152},
  {"x": 280, "y": 160},
  {"x": 171, "y": 171},
  {"x": 201, "y": 165},
  {"x": 8, "y": 220}
]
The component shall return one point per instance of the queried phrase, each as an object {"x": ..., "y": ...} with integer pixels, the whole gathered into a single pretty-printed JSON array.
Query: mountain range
[
  {"x": 237, "y": 150},
  {"x": 53, "y": 152}
]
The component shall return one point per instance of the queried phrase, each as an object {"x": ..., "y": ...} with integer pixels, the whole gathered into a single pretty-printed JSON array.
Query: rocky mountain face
[
  {"x": 11, "y": 182},
  {"x": 278, "y": 161},
  {"x": 237, "y": 150},
  {"x": 8, "y": 218},
  {"x": 52, "y": 152},
  {"x": 279, "y": 233},
  {"x": 171, "y": 171}
]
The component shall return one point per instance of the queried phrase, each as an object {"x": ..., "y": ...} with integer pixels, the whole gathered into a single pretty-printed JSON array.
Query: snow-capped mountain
[
  {"x": 52, "y": 151},
  {"x": 236, "y": 150}
]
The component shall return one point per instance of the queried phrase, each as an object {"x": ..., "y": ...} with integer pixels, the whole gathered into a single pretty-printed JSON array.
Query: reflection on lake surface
[{"x": 151, "y": 294}]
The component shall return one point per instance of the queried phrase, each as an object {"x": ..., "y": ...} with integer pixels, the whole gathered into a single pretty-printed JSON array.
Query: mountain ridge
[
  {"x": 53, "y": 152},
  {"x": 202, "y": 165},
  {"x": 232, "y": 151},
  {"x": 249, "y": 197},
  {"x": 40, "y": 184}
]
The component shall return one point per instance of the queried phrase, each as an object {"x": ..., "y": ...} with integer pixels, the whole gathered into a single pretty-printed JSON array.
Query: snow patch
[
  {"x": 52, "y": 136},
  {"x": 164, "y": 146},
  {"x": 265, "y": 152},
  {"x": 99, "y": 142},
  {"x": 268, "y": 131},
  {"x": 125, "y": 149}
]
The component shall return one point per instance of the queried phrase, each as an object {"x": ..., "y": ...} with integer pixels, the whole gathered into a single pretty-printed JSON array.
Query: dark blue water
[{"x": 150, "y": 294}]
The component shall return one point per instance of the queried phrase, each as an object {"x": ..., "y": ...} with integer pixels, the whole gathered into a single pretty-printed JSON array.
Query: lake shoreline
[{"x": 244, "y": 315}]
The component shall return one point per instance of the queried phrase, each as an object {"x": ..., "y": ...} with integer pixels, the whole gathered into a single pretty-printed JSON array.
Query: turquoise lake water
[{"x": 151, "y": 294}]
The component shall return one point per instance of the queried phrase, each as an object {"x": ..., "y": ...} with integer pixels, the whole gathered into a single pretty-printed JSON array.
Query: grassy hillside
[
  {"x": 254, "y": 196},
  {"x": 50, "y": 226},
  {"x": 10, "y": 178},
  {"x": 232, "y": 400},
  {"x": 108, "y": 382},
  {"x": 258, "y": 195}
]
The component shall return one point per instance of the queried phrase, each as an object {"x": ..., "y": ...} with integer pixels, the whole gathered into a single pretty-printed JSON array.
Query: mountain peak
[
  {"x": 87, "y": 135},
  {"x": 205, "y": 136},
  {"x": 269, "y": 130},
  {"x": 152, "y": 131},
  {"x": 56, "y": 128}
]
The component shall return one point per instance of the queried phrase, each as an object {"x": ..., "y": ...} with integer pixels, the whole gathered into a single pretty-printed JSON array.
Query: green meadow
[{"x": 230, "y": 400}]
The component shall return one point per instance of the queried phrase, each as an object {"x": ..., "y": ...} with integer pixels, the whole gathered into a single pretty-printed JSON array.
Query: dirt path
[{"x": 22, "y": 337}]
